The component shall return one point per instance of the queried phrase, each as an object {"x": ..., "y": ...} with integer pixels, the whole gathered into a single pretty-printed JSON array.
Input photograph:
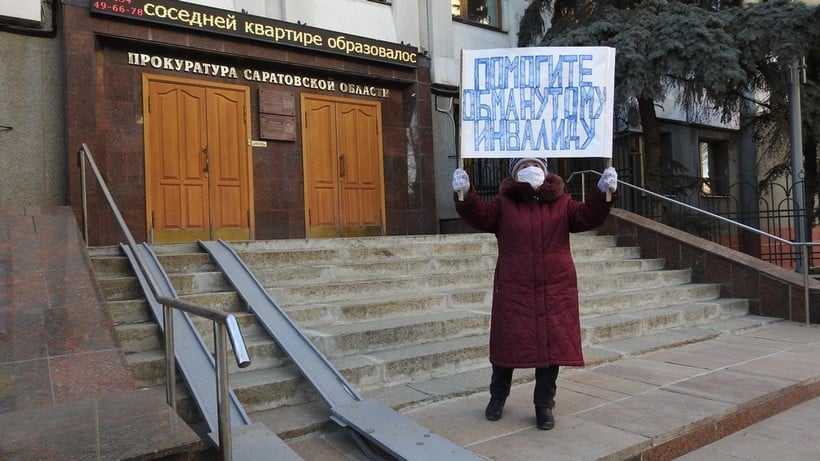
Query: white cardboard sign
[{"x": 537, "y": 102}]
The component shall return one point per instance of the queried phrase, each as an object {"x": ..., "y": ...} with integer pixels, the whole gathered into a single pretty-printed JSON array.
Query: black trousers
[{"x": 545, "y": 386}]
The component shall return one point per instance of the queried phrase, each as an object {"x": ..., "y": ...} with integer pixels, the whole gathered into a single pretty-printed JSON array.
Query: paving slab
[
  {"x": 462, "y": 421},
  {"x": 649, "y": 371},
  {"x": 609, "y": 382},
  {"x": 785, "y": 364},
  {"x": 575, "y": 439},
  {"x": 713, "y": 357},
  {"x": 730, "y": 386},
  {"x": 734, "y": 349},
  {"x": 787, "y": 331},
  {"x": 658, "y": 414},
  {"x": 750, "y": 340},
  {"x": 595, "y": 392}
]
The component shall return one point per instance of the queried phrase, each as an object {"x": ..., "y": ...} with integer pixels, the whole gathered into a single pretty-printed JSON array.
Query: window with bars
[{"x": 484, "y": 12}]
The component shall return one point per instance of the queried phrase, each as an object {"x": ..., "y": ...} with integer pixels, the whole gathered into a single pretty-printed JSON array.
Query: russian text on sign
[{"x": 537, "y": 101}]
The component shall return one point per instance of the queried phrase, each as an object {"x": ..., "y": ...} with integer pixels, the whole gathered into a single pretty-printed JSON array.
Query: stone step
[
  {"x": 377, "y": 261},
  {"x": 414, "y": 243},
  {"x": 189, "y": 257},
  {"x": 120, "y": 288},
  {"x": 125, "y": 287},
  {"x": 607, "y": 302},
  {"x": 135, "y": 310},
  {"x": 373, "y": 256},
  {"x": 127, "y": 311},
  {"x": 375, "y": 335},
  {"x": 271, "y": 275},
  {"x": 148, "y": 365},
  {"x": 116, "y": 265},
  {"x": 336, "y": 291},
  {"x": 401, "y": 304},
  {"x": 613, "y": 327},
  {"x": 419, "y": 242},
  {"x": 637, "y": 300},
  {"x": 146, "y": 335}
]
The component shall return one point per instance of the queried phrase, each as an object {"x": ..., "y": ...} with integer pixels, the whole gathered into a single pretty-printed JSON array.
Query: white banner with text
[{"x": 537, "y": 102}]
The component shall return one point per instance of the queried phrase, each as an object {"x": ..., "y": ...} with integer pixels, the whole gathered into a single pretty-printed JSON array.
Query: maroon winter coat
[{"x": 535, "y": 320}]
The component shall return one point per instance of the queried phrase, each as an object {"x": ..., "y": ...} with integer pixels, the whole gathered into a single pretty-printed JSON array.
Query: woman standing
[{"x": 535, "y": 321}]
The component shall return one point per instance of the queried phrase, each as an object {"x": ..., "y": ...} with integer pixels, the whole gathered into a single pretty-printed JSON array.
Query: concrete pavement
[{"x": 724, "y": 398}]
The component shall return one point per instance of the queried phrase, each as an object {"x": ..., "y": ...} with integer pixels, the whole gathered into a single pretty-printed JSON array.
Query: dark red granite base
[
  {"x": 137, "y": 425},
  {"x": 66, "y": 392}
]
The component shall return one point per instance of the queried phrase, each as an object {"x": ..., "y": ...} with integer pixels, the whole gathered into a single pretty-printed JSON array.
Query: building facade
[
  {"x": 250, "y": 120},
  {"x": 266, "y": 119},
  {"x": 32, "y": 92}
]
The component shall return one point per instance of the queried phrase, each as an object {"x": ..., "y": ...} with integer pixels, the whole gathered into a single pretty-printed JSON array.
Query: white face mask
[{"x": 533, "y": 175}]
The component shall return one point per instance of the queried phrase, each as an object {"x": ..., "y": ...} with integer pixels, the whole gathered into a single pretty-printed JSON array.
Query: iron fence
[{"x": 769, "y": 209}]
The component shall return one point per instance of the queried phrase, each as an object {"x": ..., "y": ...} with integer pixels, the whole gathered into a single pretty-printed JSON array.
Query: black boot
[
  {"x": 543, "y": 418},
  {"x": 494, "y": 409}
]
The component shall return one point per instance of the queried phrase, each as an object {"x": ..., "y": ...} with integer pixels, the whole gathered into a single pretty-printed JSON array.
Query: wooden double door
[
  {"x": 197, "y": 160},
  {"x": 344, "y": 179}
]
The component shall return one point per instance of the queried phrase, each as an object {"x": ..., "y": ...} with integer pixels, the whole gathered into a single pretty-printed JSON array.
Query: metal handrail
[
  {"x": 801, "y": 246},
  {"x": 226, "y": 323}
]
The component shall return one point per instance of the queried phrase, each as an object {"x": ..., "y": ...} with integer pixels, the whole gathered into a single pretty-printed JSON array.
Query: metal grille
[
  {"x": 770, "y": 209},
  {"x": 486, "y": 175}
]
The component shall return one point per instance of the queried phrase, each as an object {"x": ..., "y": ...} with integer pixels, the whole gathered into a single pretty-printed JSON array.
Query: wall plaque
[
  {"x": 275, "y": 101},
  {"x": 277, "y": 127}
]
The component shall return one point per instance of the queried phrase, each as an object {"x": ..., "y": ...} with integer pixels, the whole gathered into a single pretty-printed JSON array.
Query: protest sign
[{"x": 537, "y": 102}]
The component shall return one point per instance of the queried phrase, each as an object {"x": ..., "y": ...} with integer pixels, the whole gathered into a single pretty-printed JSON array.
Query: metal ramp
[
  {"x": 198, "y": 368},
  {"x": 379, "y": 424}
]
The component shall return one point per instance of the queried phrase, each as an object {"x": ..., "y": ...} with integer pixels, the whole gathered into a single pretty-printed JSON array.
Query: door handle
[
  {"x": 205, "y": 163},
  {"x": 342, "y": 166}
]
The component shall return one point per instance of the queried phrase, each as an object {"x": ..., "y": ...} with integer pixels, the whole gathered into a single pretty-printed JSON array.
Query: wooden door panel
[
  {"x": 362, "y": 194},
  {"x": 182, "y": 217},
  {"x": 228, "y": 168},
  {"x": 321, "y": 168},
  {"x": 178, "y": 126}
]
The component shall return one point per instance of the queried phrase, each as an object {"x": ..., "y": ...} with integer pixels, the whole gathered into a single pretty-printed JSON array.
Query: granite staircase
[{"x": 404, "y": 319}]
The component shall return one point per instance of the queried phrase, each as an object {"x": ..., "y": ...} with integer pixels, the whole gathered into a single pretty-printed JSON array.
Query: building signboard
[{"x": 224, "y": 22}]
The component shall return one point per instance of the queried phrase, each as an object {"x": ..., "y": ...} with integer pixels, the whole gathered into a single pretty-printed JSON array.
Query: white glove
[
  {"x": 609, "y": 180},
  {"x": 461, "y": 182}
]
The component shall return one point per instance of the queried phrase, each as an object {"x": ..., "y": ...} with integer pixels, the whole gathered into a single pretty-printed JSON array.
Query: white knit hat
[{"x": 515, "y": 163}]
